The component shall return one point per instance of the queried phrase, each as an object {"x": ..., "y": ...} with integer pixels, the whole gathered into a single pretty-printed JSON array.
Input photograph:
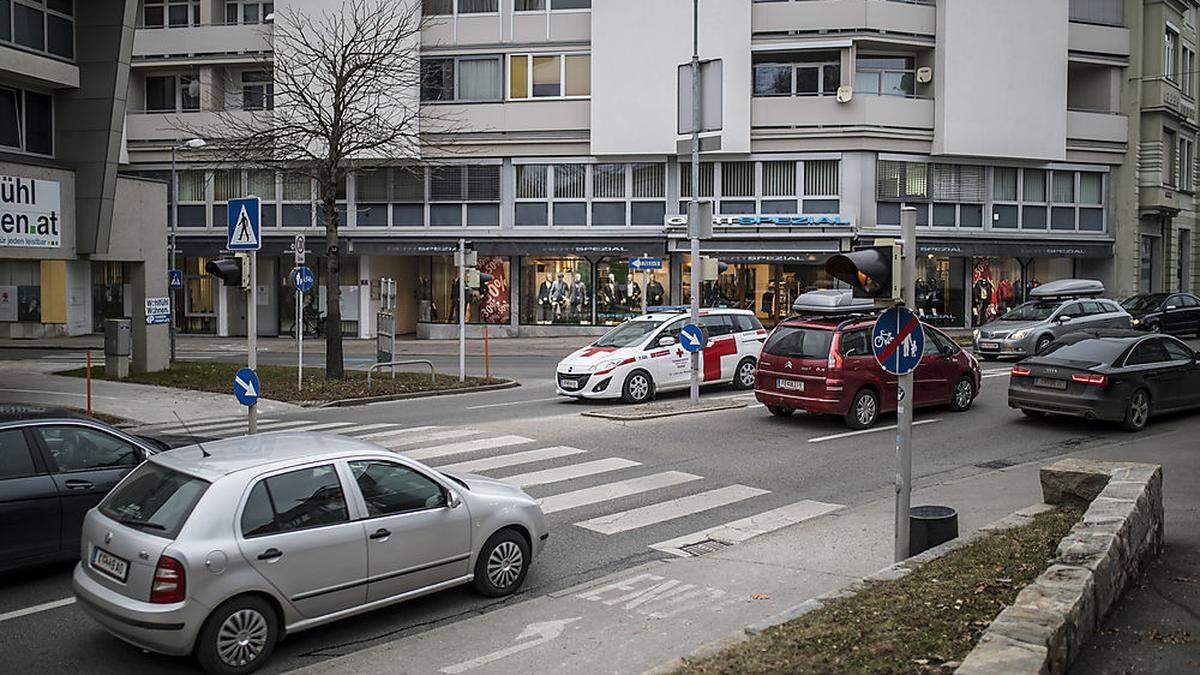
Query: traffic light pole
[
  {"x": 694, "y": 209},
  {"x": 252, "y": 335},
  {"x": 905, "y": 394}
]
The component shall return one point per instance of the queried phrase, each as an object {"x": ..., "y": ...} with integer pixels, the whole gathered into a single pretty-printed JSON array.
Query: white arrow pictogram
[
  {"x": 692, "y": 339},
  {"x": 544, "y": 631},
  {"x": 248, "y": 386}
]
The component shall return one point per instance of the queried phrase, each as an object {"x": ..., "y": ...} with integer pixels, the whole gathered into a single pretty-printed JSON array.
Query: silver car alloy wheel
[
  {"x": 1139, "y": 409},
  {"x": 504, "y": 564},
  {"x": 866, "y": 410},
  {"x": 746, "y": 374},
  {"x": 242, "y": 637},
  {"x": 962, "y": 393},
  {"x": 639, "y": 387}
]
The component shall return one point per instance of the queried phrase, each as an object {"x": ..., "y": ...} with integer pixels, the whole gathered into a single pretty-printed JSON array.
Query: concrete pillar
[
  {"x": 151, "y": 347},
  {"x": 366, "y": 317}
]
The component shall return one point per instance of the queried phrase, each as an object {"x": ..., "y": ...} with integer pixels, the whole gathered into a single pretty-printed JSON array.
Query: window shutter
[{"x": 483, "y": 182}]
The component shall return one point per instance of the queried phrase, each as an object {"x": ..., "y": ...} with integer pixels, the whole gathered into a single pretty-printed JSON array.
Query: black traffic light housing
[
  {"x": 228, "y": 270},
  {"x": 872, "y": 272}
]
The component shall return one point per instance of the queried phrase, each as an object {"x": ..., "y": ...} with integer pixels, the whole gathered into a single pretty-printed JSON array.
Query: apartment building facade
[
  {"x": 1037, "y": 139},
  {"x": 78, "y": 242}
]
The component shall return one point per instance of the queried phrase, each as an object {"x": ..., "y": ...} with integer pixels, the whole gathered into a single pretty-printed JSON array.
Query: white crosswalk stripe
[
  {"x": 513, "y": 459},
  {"x": 739, "y": 531},
  {"x": 670, "y": 510},
  {"x": 464, "y": 447},
  {"x": 610, "y": 491},
  {"x": 323, "y": 426},
  {"x": 262, "y": 428},
  {"x": 396, "y": 432},
  {"x": 358, "y": 429},
  {"x": 569, "y": 472},
  {"x": 194, "y": 427},
  {"x": 443, "y": 435}
]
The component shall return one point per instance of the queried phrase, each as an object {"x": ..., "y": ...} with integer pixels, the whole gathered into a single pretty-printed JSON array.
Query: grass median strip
[
  {"x": 924, "y": 622},
  {"x": 279, "y": 382}
]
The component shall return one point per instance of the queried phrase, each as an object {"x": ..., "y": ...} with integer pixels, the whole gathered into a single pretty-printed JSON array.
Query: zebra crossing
[{"x": 604, "y": 495}]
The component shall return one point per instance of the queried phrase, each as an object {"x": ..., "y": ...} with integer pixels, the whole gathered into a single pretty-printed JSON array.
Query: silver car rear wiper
[{"x": 141, "y": 523}]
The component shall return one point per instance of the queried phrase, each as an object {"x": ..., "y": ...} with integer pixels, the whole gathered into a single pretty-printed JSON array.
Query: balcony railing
[{"x": 1099, "y": 12}]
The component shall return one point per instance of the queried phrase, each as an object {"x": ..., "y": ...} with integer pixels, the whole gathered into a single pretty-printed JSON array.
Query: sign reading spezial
[{"x": 29, "y": 213}]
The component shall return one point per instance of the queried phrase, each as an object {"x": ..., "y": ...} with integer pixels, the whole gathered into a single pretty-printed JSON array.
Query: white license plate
[
  {"x": 794, "y": 385},
  {"x": 570, "y": 384},
  {"x": 1049, "y": 383},
  {"x": 109, "y": 564},
  {"x": 989, "y": 345}
]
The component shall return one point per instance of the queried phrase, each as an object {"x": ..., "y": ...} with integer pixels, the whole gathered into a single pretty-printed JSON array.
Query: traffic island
[
  {"x": 657, "y": 409},
  {"x": 279, "y": 383}
]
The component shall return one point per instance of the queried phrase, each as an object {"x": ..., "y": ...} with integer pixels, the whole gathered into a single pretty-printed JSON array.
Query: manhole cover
[
  {"x": 996, "y": 464},
  {"x": 704, "y": 547}
]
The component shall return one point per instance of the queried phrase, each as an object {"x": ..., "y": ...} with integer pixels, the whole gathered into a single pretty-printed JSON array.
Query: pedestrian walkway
[{"x": 605, "y": 495}]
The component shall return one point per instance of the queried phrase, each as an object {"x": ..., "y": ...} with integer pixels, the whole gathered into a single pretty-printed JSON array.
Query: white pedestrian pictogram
[{"x": 243, "y": 230}]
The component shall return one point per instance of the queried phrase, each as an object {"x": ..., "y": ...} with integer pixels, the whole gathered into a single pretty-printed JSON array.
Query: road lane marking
[
  {"x": 739, "y": 531},
  {"x": 508, "y": 403},
  {"x": 16, "y": 614},
  {"x": 443, "y": 435},
  {"x": 848, "y": 434},
  {"x": 610, "y": 491},
  {"x": 514, "y": 459},
  {"x": 1003, "y": 373},
  {"x": 396, "y": 432},
  {"x": 464, "y": 447},
  {"x": 570, "y": 472},
  {"x": 670, "y": 510}
]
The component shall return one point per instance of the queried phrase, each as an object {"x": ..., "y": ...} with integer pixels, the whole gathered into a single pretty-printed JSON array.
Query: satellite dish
[
  {"x": 194, "y": 88},
  {"x": 924, "y": 75},
  {"x": 845, "y": 93}
]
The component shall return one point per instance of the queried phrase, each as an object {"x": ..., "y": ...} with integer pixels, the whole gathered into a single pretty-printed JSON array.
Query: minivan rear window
[
  {"x": 797, "y": 342},
  {"x": 154, "y": 499}
]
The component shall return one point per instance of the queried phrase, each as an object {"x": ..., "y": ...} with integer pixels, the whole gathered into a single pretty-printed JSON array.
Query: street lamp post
[{"x": 192, "y": 144}]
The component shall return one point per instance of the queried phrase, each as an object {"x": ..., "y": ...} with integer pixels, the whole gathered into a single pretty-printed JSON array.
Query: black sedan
[
  {"x": 55, "y": 465},
  {"x": 1172, "y": 313},
  {"x": 1113, "y": 375}
]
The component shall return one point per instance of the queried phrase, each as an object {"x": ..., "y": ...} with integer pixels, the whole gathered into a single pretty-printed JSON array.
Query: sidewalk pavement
[
  {"x": 31, "y": 382},
  {"x": 641, "y": 618}
]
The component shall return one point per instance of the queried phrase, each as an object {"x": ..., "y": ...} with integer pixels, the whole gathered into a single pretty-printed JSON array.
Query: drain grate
[
  {"x": 704, "y": 547},
  {"x": 996, "y": 464}
]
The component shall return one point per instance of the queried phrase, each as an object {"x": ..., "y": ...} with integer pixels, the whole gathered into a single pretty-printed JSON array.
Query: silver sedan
[{"x": 221, "y": 550}]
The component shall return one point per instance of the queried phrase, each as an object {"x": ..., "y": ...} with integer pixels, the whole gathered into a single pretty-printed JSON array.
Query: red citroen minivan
[{"x": 826, "y": 365}]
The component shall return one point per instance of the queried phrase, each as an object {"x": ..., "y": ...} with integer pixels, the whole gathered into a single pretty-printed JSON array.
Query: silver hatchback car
[{"x": 220, "y": 550}]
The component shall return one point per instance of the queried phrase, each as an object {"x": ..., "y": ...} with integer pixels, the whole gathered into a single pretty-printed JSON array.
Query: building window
[
  {"x": 461, "y": 78},
  {"x": 1170, "y": 159},
  {"x": 885, "y": 76},
  {"x": 1103, "y": 12},
  {"x": 1170, "y": 55},
  {"x": 797, "y": 74},
  {"x": 172, "y": 93},
  {"x": 1185, "y": 164},
  {"x": 192, "y": 198},
  {"x": 26, "y": 121},
  {"x": 1189, "y": 70},
  {"x": 543, "y": 5},
  {"x": 438, "y": 290},
  {"x": 556, "y": 291},
  {"x": 297, "y": 200},
  {"x": 258, "y": 90},
  {"x": 170, "y": 13},
  {"x": 597, "y": 195},
  {"x": 247, "y": 11},
  {"x": 478, "y": 6},
  {"x": 45, "y": 26},
  {"x": 549, "y": 76}
]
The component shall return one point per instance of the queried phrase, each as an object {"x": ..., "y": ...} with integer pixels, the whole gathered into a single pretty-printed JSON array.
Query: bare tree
[{"x": 346, "y": 89}]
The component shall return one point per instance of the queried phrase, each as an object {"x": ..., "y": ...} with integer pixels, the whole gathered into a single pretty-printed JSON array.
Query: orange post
[
  {"x": 487, "y": 356},
  {"x": 89, "y": 383}
]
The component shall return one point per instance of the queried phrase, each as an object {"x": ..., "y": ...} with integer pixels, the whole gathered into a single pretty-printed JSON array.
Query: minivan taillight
[
  {"x": 835, "y": 354},
  {"x": 170, "y": 582}
]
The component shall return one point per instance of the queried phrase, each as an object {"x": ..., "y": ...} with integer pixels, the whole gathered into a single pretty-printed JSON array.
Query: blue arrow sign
[
  {"x": 246, "y": 387},
  {"x": 303, "y": 279},
  {"x": 646, "y": 264},
  {"x": 174, "y": 279},
  {"x": 691, "y": 338},
  {"x": 898, "y": 341},
  {"x": 244, "y": 219}
]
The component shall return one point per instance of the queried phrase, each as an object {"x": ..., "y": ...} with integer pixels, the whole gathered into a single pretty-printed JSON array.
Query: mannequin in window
[
  {"x": 545, "y": 307},
  {"x": 635, "y": 296},
  {"x": 604, "y": 298},
  {"x": 452, "y": 315},
  {"x": 579, "y": 303},
  {"x": 560, "y": 296},
  {"x": 654, "y": 292}
]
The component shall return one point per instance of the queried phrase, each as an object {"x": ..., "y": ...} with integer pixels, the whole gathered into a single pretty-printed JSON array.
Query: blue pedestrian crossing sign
[
  {"x": 302, "y": 279},
  {"x": 174, "y": 279},
  {"x": 898, "y": 341},
  {"x": 246, "y": 387},
  {"x": 244, "y": 219},
  {"x": 691, "y": 338}
]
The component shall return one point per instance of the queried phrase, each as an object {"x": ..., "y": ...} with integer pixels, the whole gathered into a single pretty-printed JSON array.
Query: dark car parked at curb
[
  {"x": 1113, "y": 375},
  {"x": 1171, "y": 313},
  {"x": 56, "y": 465}
]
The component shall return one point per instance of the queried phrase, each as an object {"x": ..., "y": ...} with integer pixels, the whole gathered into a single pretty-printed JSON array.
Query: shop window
[
  {"x": 767, "y": 289},
  {"x": 556, "y": 291},
  {"x": 438, "y": 291},
  {"x": 199, "y": 297},
  {"x": 940, "y": 290},
  {"x": 549, "y": 76},
  {"x": 20, "y": 290},
  {"x": 621, "y": 291},
  {"x": 779, "y": 206}
]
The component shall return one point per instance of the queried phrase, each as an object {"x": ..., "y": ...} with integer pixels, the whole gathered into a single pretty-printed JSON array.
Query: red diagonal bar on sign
[{"x": 910, "y": 327}]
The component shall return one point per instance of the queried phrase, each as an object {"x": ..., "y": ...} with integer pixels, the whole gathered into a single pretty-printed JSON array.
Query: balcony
[
  {"x": 213, "y": 42},
  {"x": 549, "y": 115},
  {"x": 1095, "y": 39},
  {"x": 890, "y": 16},
  {"x": 156, "y": 126},
  {"x": 1162, "y": 93},
  {"x": 825, "y": 111},
  {"x": 1097, "y": 127}
]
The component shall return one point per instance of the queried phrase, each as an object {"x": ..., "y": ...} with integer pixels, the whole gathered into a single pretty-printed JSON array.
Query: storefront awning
[{"x": 1015, "y": 249}]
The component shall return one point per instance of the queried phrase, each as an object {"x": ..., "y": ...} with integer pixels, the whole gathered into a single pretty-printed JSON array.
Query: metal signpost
[
  {"x": 385, "y": 324},
  {"x": 465, "y": 260},
  {"x": 245, "y": 234},
  {"x": 303, "y": 279}
]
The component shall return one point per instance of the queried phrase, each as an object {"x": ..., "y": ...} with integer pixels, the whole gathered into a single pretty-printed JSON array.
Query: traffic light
[
  {"x": 231, "y": 271},
  {"x": 872, "y": 272}
]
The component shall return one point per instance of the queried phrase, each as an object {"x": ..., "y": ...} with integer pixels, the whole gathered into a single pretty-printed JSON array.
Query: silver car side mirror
[
  {"x": 666, "y": 341},
  {"x": 453, "y": 500}
]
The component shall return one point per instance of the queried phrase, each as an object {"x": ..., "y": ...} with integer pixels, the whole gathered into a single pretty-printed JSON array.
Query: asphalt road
[{"x": 792, "y": 459}]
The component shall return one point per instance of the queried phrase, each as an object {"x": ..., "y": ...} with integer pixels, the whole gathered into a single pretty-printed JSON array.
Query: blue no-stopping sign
[{"x": 898, "y": 341}]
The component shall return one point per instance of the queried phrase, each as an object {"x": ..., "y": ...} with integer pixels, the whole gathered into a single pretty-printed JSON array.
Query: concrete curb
[
  {"x": 637, "y": 416},
  {"x": 1053, "y": 618},
  {"x": 889, "y": 573},
  {"x": 348, "y": 402}
]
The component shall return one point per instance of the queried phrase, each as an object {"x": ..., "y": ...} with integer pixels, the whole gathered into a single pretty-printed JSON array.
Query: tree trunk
[{"x": 334, "y": 369}]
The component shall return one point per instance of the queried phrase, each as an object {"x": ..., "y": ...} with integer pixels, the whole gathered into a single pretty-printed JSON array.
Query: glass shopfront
[
  {"x": 1000, "y": 283},
  {"x": 438, "y": 289},
  {"x": 315, "y": 303},
  {"x": 108, "y": 293},
  {"x": 199, "y": 311},
  {"x": 767, "y": 289},
  {"x": 941, "y": 290},
  {"x": 556, "y": 290},
  {"x": 620, "y": 292}
]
